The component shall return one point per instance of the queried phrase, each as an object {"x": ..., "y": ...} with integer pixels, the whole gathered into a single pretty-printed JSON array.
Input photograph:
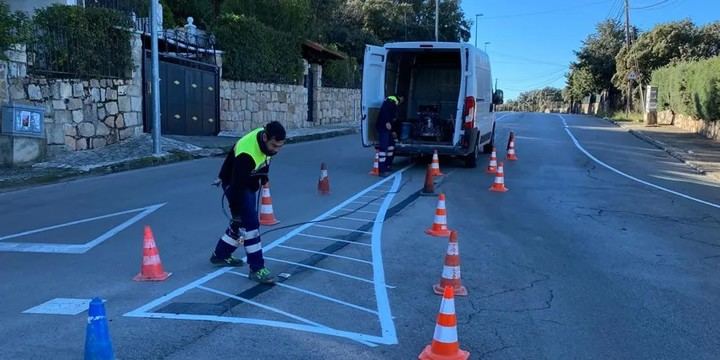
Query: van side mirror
[{"x": 498, "y": 97}]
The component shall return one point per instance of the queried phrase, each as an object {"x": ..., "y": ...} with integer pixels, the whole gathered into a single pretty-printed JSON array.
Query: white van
[{"x": 448, "y": 94}]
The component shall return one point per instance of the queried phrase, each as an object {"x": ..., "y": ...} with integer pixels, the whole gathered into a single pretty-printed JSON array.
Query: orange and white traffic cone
[
  {"x": 429, "y": 187},
  {"x": 451, "y": 269},
  {"x": 439, "y": 227},
  {"x": 445, "y": 344},
  {"x": 511, "y": 147},
  {"x": 324, "y": 182},
  {"x": 499, "y": 184},
  {"x": 492, "y": 167},
  {"x": 152, "y": 268},
  {"x": 435, "y": 165},
  {"x": 267, "y": 216},
  {"x": 376, "y": 165}
]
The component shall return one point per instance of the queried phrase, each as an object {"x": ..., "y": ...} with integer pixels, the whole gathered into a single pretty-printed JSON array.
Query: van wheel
[
  {"x": 487, "y": 148},
  {"x": 471, "y": 159}
]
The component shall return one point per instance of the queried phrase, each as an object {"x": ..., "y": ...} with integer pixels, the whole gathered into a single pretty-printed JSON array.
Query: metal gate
[{"x": 189, "y": 96}]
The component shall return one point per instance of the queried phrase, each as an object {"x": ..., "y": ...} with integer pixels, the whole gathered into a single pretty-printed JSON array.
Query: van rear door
[
  {"x": 465, "y": 75},
  {"x": 373, "y": 91}
]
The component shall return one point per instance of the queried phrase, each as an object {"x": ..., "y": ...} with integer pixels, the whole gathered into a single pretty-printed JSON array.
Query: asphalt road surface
[{"x": 604, "y": 248}]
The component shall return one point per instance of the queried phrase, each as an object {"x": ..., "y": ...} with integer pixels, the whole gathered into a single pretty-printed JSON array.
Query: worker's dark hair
[{"x": 275, "y": 130}]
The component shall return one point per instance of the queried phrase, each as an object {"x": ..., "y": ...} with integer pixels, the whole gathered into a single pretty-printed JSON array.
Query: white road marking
[
  {"x": 341, "y": 229},
  {"x": 388, "y": 332},
  {"x": 60, "y": 306},
  {"x": 658, "y": 187},
  {"x": 333, "y": 239},
  {"x": 324, "y": 270},
  {"x": 331, "y": 299},
  {"x": 75, "y": 248},
  {"x": 325, "y": 254}
]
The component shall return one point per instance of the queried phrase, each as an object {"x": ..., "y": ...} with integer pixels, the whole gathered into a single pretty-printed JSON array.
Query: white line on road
[
  {"x": 324, "y": 270},
  {"x": 580, "y": 147},
  {"x": 355, "y": 219},
  {"x": 325, "y": 254},
  {"x": 388, "y": 328},
  {"x": 341, "y": 229},
  {"x": 316, "y": 295},
  {"x": 360, "y": 211},
  {"x": 75, "y": 248},
  {"x": 275, "y": 310},
  {"x": 30, "y": 232},
  {"x": 333, "y": 239}
]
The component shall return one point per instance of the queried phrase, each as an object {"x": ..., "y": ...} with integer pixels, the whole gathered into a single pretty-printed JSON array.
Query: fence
[{"x": 69, "y": 52}]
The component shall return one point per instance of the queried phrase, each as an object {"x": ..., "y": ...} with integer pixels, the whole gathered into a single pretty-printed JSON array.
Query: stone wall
[
  {"x": 335, "y": 106},
  {"x": 245, "y": 106},
  {"x": 707, "y": 128},
  {"x": 79, "y": 114}
]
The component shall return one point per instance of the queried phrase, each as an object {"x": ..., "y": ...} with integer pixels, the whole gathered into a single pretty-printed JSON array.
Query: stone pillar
[{"x": 316, "y": 83}]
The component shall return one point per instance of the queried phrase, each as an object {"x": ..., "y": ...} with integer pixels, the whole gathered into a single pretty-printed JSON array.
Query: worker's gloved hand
[{"x": 264, "y": 180}]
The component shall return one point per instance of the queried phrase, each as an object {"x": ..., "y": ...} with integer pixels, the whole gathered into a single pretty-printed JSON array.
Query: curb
[{"x": 54, "y": 175}]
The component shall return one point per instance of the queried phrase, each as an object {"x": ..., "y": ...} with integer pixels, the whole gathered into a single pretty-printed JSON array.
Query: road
[{"x": 604, "y": 247}]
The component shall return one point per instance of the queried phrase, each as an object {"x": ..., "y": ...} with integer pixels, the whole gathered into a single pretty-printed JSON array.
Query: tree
[{"x": 595, "y": 66}]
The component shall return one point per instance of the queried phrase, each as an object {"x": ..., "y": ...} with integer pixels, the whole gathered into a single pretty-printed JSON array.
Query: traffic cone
[
  {"x": 429, "y": 187},
  {"x": 97, "y": 337},
  {"x": 439, "y": 227},
  {"x": 324, "y": 182},
  {"x": 499, "y": 184},
  {"x": 436, "y": 165},
  {"x": 492, "y": 167},
  {"x": 267, "y": 216},
  {"x": 376, "y": 165},
  {"x": 445, "y": 345},
  {"x": 451, "y": 269},
  {"x": 511, "y": 147},
  {"x": 152, "y": 268}
]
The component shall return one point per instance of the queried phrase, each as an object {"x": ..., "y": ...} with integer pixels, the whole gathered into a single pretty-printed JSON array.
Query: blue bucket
[{"x": 405, "y": 131}]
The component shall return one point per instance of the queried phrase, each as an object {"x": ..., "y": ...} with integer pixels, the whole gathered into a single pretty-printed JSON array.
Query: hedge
[
  {"x": 12, "y": 28},
  {"x": 257, "y": 53},
  {"x": 83, "y": 42},
  {"x": 341, "y": 74},
  {"x": 690, "y": 88}
]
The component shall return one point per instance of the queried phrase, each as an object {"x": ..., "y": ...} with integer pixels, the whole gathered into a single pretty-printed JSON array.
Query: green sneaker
[
  {"x": 262, "y": 276},
  {"x": 230, "y": 261}
]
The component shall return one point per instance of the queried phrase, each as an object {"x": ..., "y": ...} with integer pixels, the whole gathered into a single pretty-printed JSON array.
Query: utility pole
[
  {"x": 437, "y": 18},
  {"x": 628, "y": 100},
  {"x": 155, "y": 76}
]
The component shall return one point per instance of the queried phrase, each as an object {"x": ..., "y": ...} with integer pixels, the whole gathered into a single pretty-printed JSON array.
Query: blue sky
[{"x": 532, "y": 41}]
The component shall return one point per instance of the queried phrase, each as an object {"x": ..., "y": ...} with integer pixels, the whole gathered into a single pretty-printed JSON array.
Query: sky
[{"x": 531, "y": 42}]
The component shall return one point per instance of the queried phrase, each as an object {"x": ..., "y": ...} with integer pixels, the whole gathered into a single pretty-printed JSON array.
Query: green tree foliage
[
  {"x": 290, "y": 16},
  {"x": 690, "y": 88},
  {"x": 13, "y": 28},
  {"x": 536, "y": 100},
  {"x": 595, "y": 65},
  {"x": 257, "y": 52},
  {"x": 666, "y": 44},
  {"x": 84, "y": 42}
]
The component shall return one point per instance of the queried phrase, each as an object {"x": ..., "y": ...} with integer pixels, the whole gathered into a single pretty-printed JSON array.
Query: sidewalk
[
  {"x": 698, "y": 152},
  {"x": 138, "y": 153}
]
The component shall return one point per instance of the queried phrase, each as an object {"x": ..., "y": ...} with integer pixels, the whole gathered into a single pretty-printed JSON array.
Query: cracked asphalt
[{"x": 574, "y": 262}]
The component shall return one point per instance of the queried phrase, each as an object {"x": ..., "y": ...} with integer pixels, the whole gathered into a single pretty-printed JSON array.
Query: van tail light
[{"x": 469, "y": 112}]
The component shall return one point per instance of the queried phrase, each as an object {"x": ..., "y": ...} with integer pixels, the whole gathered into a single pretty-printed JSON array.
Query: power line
[{"x": 651, "y": 6}]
